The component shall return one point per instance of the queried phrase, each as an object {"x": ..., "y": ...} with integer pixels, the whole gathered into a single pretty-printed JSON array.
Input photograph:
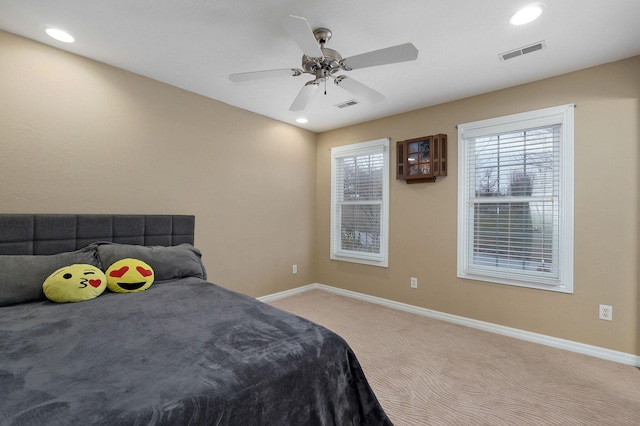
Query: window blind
[
  {"x": 359, "y": 201},
  {"x": 514, "y": 198}
]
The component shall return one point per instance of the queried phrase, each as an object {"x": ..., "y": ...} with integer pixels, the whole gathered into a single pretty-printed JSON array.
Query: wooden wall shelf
[{"x": 421, "y": 159}]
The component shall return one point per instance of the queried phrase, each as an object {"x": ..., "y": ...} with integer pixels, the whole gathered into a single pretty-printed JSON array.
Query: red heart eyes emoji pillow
[
  {"x": 144, "y": 272},
  {"x": 74, "y": 283},
  {"x": 118, "y": 273},
  {"x": 129, "y": 276}
]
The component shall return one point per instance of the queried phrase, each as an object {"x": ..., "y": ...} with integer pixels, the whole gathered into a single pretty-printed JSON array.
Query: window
[
  {"x": 360, "y": 202},
  {"x": 515, "y": 199}
]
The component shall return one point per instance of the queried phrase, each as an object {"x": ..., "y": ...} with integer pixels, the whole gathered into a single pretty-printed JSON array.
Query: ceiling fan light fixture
[
  {"x": 526, "y": 14},
  {"x": 324, "y": 63},
  {"x": 60, "y": 35}
]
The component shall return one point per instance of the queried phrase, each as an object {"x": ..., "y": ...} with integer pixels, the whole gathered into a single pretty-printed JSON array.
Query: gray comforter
[{"x": 182, "y": 352}]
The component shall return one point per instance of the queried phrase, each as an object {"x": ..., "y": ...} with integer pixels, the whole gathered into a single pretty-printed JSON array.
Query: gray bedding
[{"x": 182, "y": 352}]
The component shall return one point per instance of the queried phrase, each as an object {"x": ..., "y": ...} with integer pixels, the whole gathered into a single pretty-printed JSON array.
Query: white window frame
[
  {"x": 562, "y": 279},
  {"x": 336, "y": 251}
]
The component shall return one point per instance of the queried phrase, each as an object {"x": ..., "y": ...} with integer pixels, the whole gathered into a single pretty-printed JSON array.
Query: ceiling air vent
[
  {"x": 522, "y": 51},
  {"x": 352, "y": 102}
]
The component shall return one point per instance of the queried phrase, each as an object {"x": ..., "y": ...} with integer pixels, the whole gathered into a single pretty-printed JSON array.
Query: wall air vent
[
  {"x": 352, "y": 102},
  {"x": 522, "y": 51}
]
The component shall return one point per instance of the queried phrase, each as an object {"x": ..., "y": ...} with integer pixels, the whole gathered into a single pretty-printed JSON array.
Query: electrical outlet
[
  {"x": 294, "y": 270},
  {"x": 414, "y": 282},
  {"x": 606, "y": 312}
]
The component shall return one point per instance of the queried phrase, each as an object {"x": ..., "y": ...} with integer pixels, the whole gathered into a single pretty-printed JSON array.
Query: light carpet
[{"x": 429, "y": 372}]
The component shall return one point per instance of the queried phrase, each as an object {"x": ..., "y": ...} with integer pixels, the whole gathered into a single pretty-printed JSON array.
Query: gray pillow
[
  {"x": 168, "y": 263},
  {"x": 22, "y": 276}
]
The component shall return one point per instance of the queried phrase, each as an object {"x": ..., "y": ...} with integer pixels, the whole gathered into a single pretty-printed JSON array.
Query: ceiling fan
[{"x": 324, "y": 63}]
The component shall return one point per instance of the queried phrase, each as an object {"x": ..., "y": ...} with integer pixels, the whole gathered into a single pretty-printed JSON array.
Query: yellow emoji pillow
[
  {"x": 74, "y": 283},
  {"x": 129, "y": 276}
]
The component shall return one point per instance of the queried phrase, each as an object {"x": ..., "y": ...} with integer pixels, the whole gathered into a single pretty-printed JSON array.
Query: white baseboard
[
  {"x": 287, "y": 293},
  {"x": 581, "y": 348}
]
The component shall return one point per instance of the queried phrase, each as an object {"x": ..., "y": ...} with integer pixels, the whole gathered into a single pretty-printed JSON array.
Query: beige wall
[
  {"x": 423, "y": 216},
  {"x": 77, "y": 136}
]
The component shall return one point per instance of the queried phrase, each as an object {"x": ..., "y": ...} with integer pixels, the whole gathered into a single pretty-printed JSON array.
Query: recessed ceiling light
[
  {"x": 60, "y": 35},
  {"x": 526, "y": 14},
  {"x": 302, "y": 120}
]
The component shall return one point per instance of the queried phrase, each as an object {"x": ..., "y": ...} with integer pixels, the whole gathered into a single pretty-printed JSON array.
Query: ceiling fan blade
[
  {"x": 262, "y": 75},
  {"x": 359, "y": 89},
  {"x": 389, "y": 55},
  {"x": 305, "y": 95},
  {"x": 301, "y": 31}
]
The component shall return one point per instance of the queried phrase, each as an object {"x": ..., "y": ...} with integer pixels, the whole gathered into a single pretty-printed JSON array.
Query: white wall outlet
[
  {"x": 605, "y": 312},
  {"x": 294, "y": 270},
  {"x": 414, "y": 282}
]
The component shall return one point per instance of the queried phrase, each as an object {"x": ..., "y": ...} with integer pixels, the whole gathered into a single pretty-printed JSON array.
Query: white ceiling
[{"x": 196, "y": 44}]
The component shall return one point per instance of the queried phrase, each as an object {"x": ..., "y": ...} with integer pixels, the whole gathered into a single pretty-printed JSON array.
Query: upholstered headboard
[{"x": 41, "y": 234}]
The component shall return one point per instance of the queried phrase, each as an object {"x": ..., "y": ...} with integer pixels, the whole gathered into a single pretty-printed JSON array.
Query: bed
[{"x": 184, "y": 351}]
